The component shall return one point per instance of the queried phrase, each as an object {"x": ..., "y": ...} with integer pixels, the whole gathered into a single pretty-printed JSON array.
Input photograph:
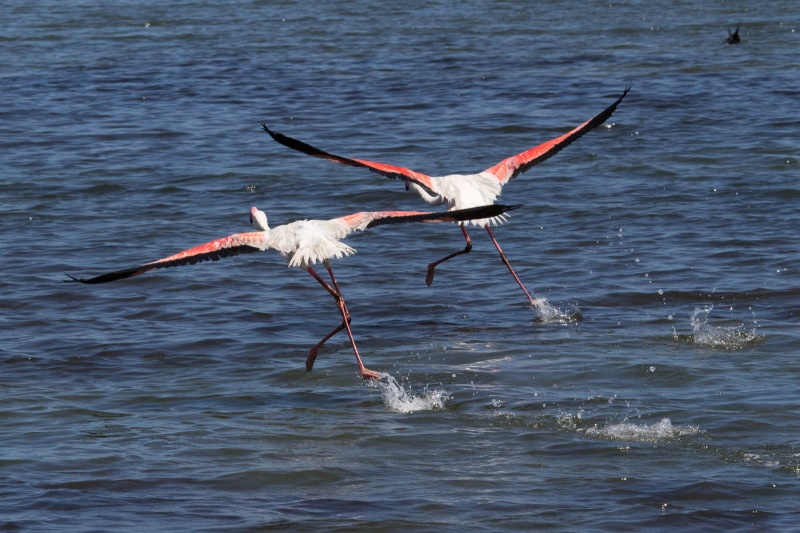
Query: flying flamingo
[
  {"x": 459, "y": 191},
  {"x": 304, "y": 243}
]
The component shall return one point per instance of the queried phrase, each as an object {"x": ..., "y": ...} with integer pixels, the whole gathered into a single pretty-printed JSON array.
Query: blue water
[{"x": 656, "y": 389}]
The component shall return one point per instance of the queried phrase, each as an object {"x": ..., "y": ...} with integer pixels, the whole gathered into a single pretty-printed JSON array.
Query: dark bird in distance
[{"x": 733, "y": 38}]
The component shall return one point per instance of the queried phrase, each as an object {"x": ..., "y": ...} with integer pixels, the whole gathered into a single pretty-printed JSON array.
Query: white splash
[
  {"x": 548, "y": 313},
  {"x": 727, "y": 337},
  {"x": 397, "y": 399},
  {"x": 649, "y": 433}
]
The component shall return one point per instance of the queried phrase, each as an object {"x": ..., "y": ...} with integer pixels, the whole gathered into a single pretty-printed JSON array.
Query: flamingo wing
[
  {"x": 371, "y": 219},
  {"x": 239, "y": 243},
  {"x": 513, "y": 166},
  {"x": 389, "y": 171}
]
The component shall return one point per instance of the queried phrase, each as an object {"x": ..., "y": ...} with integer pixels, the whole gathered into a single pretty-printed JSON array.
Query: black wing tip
[
  {"x": 627, "y": 88},
  {"x": 103, "y": 278},
  {"x": 607, "y": 112},
  {"x": 459, "y": 215},
  {"x": 497, "y": 209},
  {"x": 280, "y": 137},
  {"x": 625, "y": 92},
  {"x": 483, "y": 211}
]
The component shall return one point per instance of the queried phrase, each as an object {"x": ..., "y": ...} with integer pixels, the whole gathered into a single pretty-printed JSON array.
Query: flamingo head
[{"x": 258, "y": 219}]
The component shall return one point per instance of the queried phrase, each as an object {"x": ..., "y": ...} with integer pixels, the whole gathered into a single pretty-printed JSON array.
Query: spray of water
[
  {"x": 397, "y": 398},
  {"x": 725, "y": 337},
  {"x": 642, "y": 432},
  {"x": 548, "y": 313}
]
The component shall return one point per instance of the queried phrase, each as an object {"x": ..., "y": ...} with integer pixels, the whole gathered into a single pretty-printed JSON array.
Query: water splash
[
  {"x": 647, "y": 433},
  {"x": 397, "y": 399},
  {"x": 726, "y": 337},
  {"x": 549, "y": 314}
]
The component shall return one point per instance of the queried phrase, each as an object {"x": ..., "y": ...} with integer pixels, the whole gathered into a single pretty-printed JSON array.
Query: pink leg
[
  {"x": 467, "y": 248},
  {"x": 336, "y": 293},
  {"x": 312, "y": 354},
  {"x": 505, "y": 262}
]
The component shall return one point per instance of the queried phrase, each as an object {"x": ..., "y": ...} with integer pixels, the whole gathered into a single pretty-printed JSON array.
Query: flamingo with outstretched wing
[
  {"x": 304, "y": 243},
  {"x": 462, "y": 191}
]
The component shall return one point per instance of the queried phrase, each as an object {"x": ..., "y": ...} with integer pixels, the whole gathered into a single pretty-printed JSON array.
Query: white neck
[
  {"x": 429, "y": 198},
  {"x": 258, "y": 219}
]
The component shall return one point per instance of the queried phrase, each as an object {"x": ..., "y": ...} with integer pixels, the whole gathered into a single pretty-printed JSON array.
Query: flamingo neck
[
  {"x": 258, "y": 219},
  {"x": 429, "y": 198}
]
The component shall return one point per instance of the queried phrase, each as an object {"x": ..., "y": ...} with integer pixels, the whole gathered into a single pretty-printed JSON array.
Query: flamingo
[
  {"x": 462, "y": 191},
  {"x": 304, "y": 243}
]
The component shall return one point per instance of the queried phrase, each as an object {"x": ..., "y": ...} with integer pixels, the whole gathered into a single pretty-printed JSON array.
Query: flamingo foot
[
  {"x": 429, "y": 275},
  {"x": 538, "y": 302},
  {"x": 369, "y": 374}
]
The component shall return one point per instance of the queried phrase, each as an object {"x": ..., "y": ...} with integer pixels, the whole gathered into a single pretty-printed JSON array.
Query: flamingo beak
[{"x": 408, "y": 186}]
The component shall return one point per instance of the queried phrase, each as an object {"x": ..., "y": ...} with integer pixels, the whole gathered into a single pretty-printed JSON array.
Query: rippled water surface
[{"x": 654, "y": 386}]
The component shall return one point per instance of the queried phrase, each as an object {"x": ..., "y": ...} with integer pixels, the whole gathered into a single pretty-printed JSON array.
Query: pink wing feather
[
  {"x": 513, "y": 166},
  {"x": 390, "y": 171},
  {"x": 239, "y": 243}
]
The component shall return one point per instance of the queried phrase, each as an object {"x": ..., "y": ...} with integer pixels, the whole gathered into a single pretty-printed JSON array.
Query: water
[{"x": 654, "y": 387}]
